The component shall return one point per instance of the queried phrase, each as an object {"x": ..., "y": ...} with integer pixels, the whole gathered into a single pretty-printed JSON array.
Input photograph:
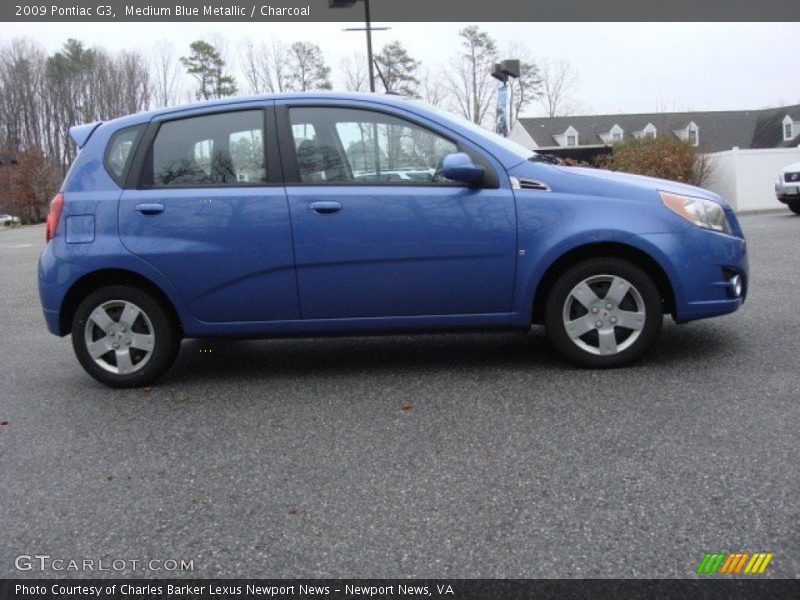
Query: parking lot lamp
[{"x": 367, "y": 27}]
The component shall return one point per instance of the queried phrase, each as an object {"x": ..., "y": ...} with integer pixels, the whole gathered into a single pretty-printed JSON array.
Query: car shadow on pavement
[{"x": 421, "y": 354}]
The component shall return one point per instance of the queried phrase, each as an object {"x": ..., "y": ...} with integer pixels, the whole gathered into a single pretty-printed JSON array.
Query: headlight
[{"x": 703, "y": 213}]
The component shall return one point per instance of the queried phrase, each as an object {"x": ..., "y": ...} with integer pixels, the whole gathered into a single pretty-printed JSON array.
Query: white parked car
[
  {"x": 9, "y": 221},
  {"x": 787, "y": 188}
]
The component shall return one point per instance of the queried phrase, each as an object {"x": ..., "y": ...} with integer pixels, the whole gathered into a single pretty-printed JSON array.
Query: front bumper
[
  {"x": 787, "y": 191},
  {"x": 702, "y": 266}
]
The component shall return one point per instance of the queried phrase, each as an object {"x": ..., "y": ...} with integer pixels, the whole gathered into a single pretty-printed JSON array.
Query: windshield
[{"x": 508, "y": 145}]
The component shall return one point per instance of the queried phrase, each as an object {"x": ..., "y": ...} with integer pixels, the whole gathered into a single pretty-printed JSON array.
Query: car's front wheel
[
  {"x": 603, "y": 312},
  {"x": 123, "y": 337},
  {"x": 794, "y": 206}
]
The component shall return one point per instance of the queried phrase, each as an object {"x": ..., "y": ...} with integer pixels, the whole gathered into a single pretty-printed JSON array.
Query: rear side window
[
  {"x": 119, "y": 152},
  {"x": 224, "y": 149}
]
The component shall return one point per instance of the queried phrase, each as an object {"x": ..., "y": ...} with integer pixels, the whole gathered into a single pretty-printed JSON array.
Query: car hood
[
  {"x": 792, "y": 168},
  {"x": 642, "y": 181},
  {"x": 615, "y": 184}
]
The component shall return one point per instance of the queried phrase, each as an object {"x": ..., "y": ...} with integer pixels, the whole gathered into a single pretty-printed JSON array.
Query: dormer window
[
  {"x": 616, "y": 134},
  {"x": 616, "y": 137},
  {"x": 692, "y": 134},
  {"x": 570, "y": 137},
  {"x": 647, "y": 133},
  {"x": 788, "y": 128}
]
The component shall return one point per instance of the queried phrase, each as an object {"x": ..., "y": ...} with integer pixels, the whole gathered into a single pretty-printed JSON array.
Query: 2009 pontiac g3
[{"x": 316, "y": 214}]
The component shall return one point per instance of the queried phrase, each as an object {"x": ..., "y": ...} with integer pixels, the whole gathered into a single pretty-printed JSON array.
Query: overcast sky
[{"x": 623, "y": 67}]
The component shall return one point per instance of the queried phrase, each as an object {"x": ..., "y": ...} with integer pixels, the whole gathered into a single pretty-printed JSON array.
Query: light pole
[
  {"x": 502, "y": 71},
  {"x": 368, "y": 28}
]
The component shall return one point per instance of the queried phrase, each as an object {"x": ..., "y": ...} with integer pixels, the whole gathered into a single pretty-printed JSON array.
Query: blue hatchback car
[{"x": 313, "y": 214}]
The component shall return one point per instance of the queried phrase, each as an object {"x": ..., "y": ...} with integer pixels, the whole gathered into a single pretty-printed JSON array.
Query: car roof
[{"x": 387, "y": 99}]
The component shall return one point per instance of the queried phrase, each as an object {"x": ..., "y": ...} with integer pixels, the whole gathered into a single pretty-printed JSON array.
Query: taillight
[{"x": 56, "y": 206}]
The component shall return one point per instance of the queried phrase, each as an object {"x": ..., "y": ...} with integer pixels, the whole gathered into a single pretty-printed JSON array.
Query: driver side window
[{"x": 351, "y": 145}]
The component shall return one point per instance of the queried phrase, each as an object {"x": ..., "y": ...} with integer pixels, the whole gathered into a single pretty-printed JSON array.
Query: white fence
[{"x": 746, "y": 178}]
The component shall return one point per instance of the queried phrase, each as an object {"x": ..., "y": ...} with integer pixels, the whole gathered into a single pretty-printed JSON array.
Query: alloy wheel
[
  {"x": 119, "y": 337},
  {"x": 604, "y": 314}
]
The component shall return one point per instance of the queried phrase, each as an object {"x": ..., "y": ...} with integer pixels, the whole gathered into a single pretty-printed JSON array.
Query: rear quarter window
[{"x": 119, "y": 152}]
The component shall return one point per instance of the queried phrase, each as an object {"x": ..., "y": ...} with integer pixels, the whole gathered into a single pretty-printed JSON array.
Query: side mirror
[{"x": 459, "y": 167}]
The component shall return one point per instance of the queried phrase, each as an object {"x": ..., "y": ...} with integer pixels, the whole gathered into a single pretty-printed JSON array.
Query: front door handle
[
  {"x": 325, "y": 207},
  {"x": 149, "y": 209}
]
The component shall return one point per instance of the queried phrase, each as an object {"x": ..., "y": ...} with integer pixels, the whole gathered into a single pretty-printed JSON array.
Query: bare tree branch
[
  {"x": 354, "y": 72},
  {"x": 559, "y": 84},
  {"x": 470, "y": 79},
  {"x": 167, "y": 73}
]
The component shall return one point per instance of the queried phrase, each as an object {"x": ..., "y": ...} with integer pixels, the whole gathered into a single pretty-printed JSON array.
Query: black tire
[
  {"x": 165, "y": 341},
  {"x": 794, "y": 206},
  {"x": 557, "y": 311}
]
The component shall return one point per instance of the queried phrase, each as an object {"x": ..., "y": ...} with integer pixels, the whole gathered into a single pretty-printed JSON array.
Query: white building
[{"x": 748, "y": 148}]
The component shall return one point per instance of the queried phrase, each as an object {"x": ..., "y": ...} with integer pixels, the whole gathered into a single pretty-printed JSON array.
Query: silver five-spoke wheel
[
  {"x": 124, "y": 336},
  {"x": 604, "y": 314},
  {"x": 119, "y": 337}
]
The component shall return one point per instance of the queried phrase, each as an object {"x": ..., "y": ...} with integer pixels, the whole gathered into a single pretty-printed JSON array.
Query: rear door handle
[
  {"x": 325, "y": 207},
  {"x": 149, "y": 209}
]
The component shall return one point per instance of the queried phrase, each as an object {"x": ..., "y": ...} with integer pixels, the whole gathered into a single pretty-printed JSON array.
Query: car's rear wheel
[
  {"x": 603, "y": 312},
  {"x": 794, "y": 206},
  {"x": 123, "y": 337}
]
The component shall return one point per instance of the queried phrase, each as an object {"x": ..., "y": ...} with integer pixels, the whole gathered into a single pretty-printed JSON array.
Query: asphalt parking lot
[{"x": 477, "y": 455}]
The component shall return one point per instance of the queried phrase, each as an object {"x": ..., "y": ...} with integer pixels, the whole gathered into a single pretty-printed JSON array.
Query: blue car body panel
[
  {"x": 404, "y": 251},
  {"x": 228, "y": 250},
  {"x": 258, "y": 260},
  {"x": 587, "y": 206}
]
